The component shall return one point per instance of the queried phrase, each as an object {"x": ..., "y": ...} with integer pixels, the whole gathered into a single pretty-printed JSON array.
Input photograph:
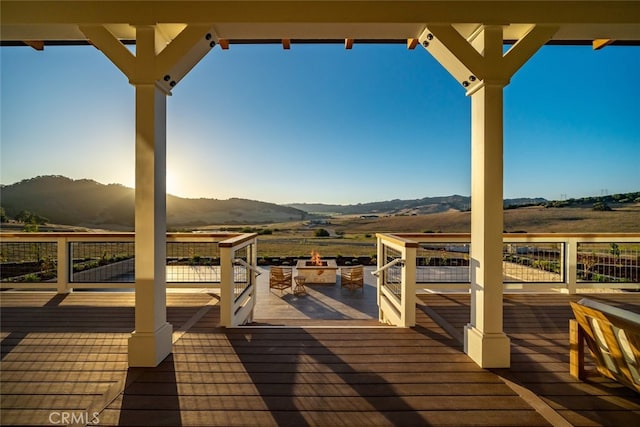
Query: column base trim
[
  {"x": 148, "y": 349},
  {"x": 488, "y": 350}
]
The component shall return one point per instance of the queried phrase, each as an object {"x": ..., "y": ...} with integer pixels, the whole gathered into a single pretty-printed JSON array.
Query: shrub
[
  {"x": 601, "y": 206},
  {"x": 321, "y": 232}
]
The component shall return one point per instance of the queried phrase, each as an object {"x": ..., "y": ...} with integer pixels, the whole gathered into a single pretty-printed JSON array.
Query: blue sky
[{"x": 319, "y": 123}]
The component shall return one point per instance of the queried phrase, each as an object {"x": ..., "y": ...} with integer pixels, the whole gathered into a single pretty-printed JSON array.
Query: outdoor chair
[
  {"x": 613, "y": 337},
  {"x": 352, "y": 277},
  {"x": 280, "y": 278}
]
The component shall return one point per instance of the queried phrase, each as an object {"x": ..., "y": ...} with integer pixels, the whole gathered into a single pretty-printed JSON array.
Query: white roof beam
[
  {"x": 102, "y": 39},
  {"x": 183, "y": 53},
  {"x": 469, "y": 63}
]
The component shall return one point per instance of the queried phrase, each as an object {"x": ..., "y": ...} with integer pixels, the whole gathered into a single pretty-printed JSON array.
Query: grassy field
[
  {"x": 353, "y": 237},
  {"x": 531, "y": 220}
]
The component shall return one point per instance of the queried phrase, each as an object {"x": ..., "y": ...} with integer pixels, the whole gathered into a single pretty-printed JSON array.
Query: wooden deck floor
[{"x": 67, "y": 354}]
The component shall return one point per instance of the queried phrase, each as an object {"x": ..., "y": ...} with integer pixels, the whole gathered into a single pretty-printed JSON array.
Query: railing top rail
[
  {"x": 402, "y": 238},
  {"x": 57, "y": 235},
  {"x": 236, "y": 240},
  {"x": 398, "y": 239},
  {"x": 581, "y": 236},
  {"x": 219, "y": 235},
  {"x": 125, "y": 234}
]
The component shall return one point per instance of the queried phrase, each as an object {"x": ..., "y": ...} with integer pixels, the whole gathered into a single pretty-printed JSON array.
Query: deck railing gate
[
  {"x": 396, "y": 282},
  {"x": 238, "y": 272}
]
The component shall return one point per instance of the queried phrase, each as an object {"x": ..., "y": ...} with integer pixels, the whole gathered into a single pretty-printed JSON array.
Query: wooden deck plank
[
  {"x": 328, "y": 389},
  {"x": 324, "y": 418},
  {"x": 539, "y": 332},
  {"x": 263, "y": 402},
  {"x": 459, "y": 378},
  {"x": 295, "y": 376}
]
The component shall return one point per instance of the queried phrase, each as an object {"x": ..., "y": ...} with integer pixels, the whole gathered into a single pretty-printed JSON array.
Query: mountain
[
  {"x": 422, "y": 206},
  {"x": 87, "y": 203}
]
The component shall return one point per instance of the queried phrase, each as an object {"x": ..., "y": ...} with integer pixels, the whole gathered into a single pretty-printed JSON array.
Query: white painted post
[
  {"x": 226, "y": 286},
  {"x": 408, "y": 291},
  {"x": 479, "y": 63},
  {"x": 571, "y": 265},
  {"x": 252, "y": 275},
  {"x": 150, "y": 343},
  {"x": 485, "y": 342},
  {"x": 157, "y": 66},
  {"x": 64, "y": 266},
  {"x": 380, "y": 261}
]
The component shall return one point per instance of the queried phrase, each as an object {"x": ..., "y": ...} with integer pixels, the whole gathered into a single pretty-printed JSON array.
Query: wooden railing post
[
  {"x": 64, "y": 266},
  {"x": 226, "y": 286},
  {"x": 380, "y": 261},
  {"x": 408, "y": 283},
  {"x": 571, "y": 264}
]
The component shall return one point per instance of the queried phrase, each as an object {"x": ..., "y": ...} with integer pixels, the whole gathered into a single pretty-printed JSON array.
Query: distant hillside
[
  {"x": 422, "y": 206},
  {"x": 87, "y": 203}
]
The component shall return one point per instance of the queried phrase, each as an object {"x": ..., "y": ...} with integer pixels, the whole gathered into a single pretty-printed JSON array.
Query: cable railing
[
  {"x": 535, "y": 262},
  {"x": 68, "y": 261}
]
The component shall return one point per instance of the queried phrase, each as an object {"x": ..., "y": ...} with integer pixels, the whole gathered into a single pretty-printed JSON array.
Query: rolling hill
[
  {"x": 87, "y": 203},
  {"x": 426, "y": 205}
]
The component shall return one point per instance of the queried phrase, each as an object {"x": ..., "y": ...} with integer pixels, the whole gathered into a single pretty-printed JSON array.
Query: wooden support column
[
  {"x": 150, "y": 343},
  {"x": 478, "y": 63},
  {"x": 155, "y": 69},
  {"x": 484, "y": 339}
]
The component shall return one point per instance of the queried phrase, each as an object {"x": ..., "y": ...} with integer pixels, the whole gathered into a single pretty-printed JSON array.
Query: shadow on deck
[{"x": 68, "y": 355}]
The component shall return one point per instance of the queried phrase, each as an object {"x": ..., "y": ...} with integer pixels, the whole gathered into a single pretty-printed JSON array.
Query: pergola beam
[{"x": 268, "y": 11}]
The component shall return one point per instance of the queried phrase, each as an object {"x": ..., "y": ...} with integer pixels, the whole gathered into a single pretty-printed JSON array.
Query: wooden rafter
[
  {"x": 224, "y": 43},
  {"x": 36, "y": 44},
  {"x": 412, "y": 43},
  {"x": 348, "y": 43},
  {"x": 286, "y": 44},
  {"x": 600, "y": 43}
]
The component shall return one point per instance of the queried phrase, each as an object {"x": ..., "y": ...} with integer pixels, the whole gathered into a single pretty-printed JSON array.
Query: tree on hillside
[
  {"x": 601, "y": 206},
  {"x": 3, "y": 215},
  {"x": 30, "y": 220}
]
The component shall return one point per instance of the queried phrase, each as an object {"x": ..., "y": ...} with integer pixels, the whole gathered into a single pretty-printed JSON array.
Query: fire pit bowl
[{"x": 325, "y": 273}]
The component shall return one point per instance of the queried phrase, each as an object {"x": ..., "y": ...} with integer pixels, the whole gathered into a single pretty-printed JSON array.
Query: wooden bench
[{"x": 613, "y": 338}]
